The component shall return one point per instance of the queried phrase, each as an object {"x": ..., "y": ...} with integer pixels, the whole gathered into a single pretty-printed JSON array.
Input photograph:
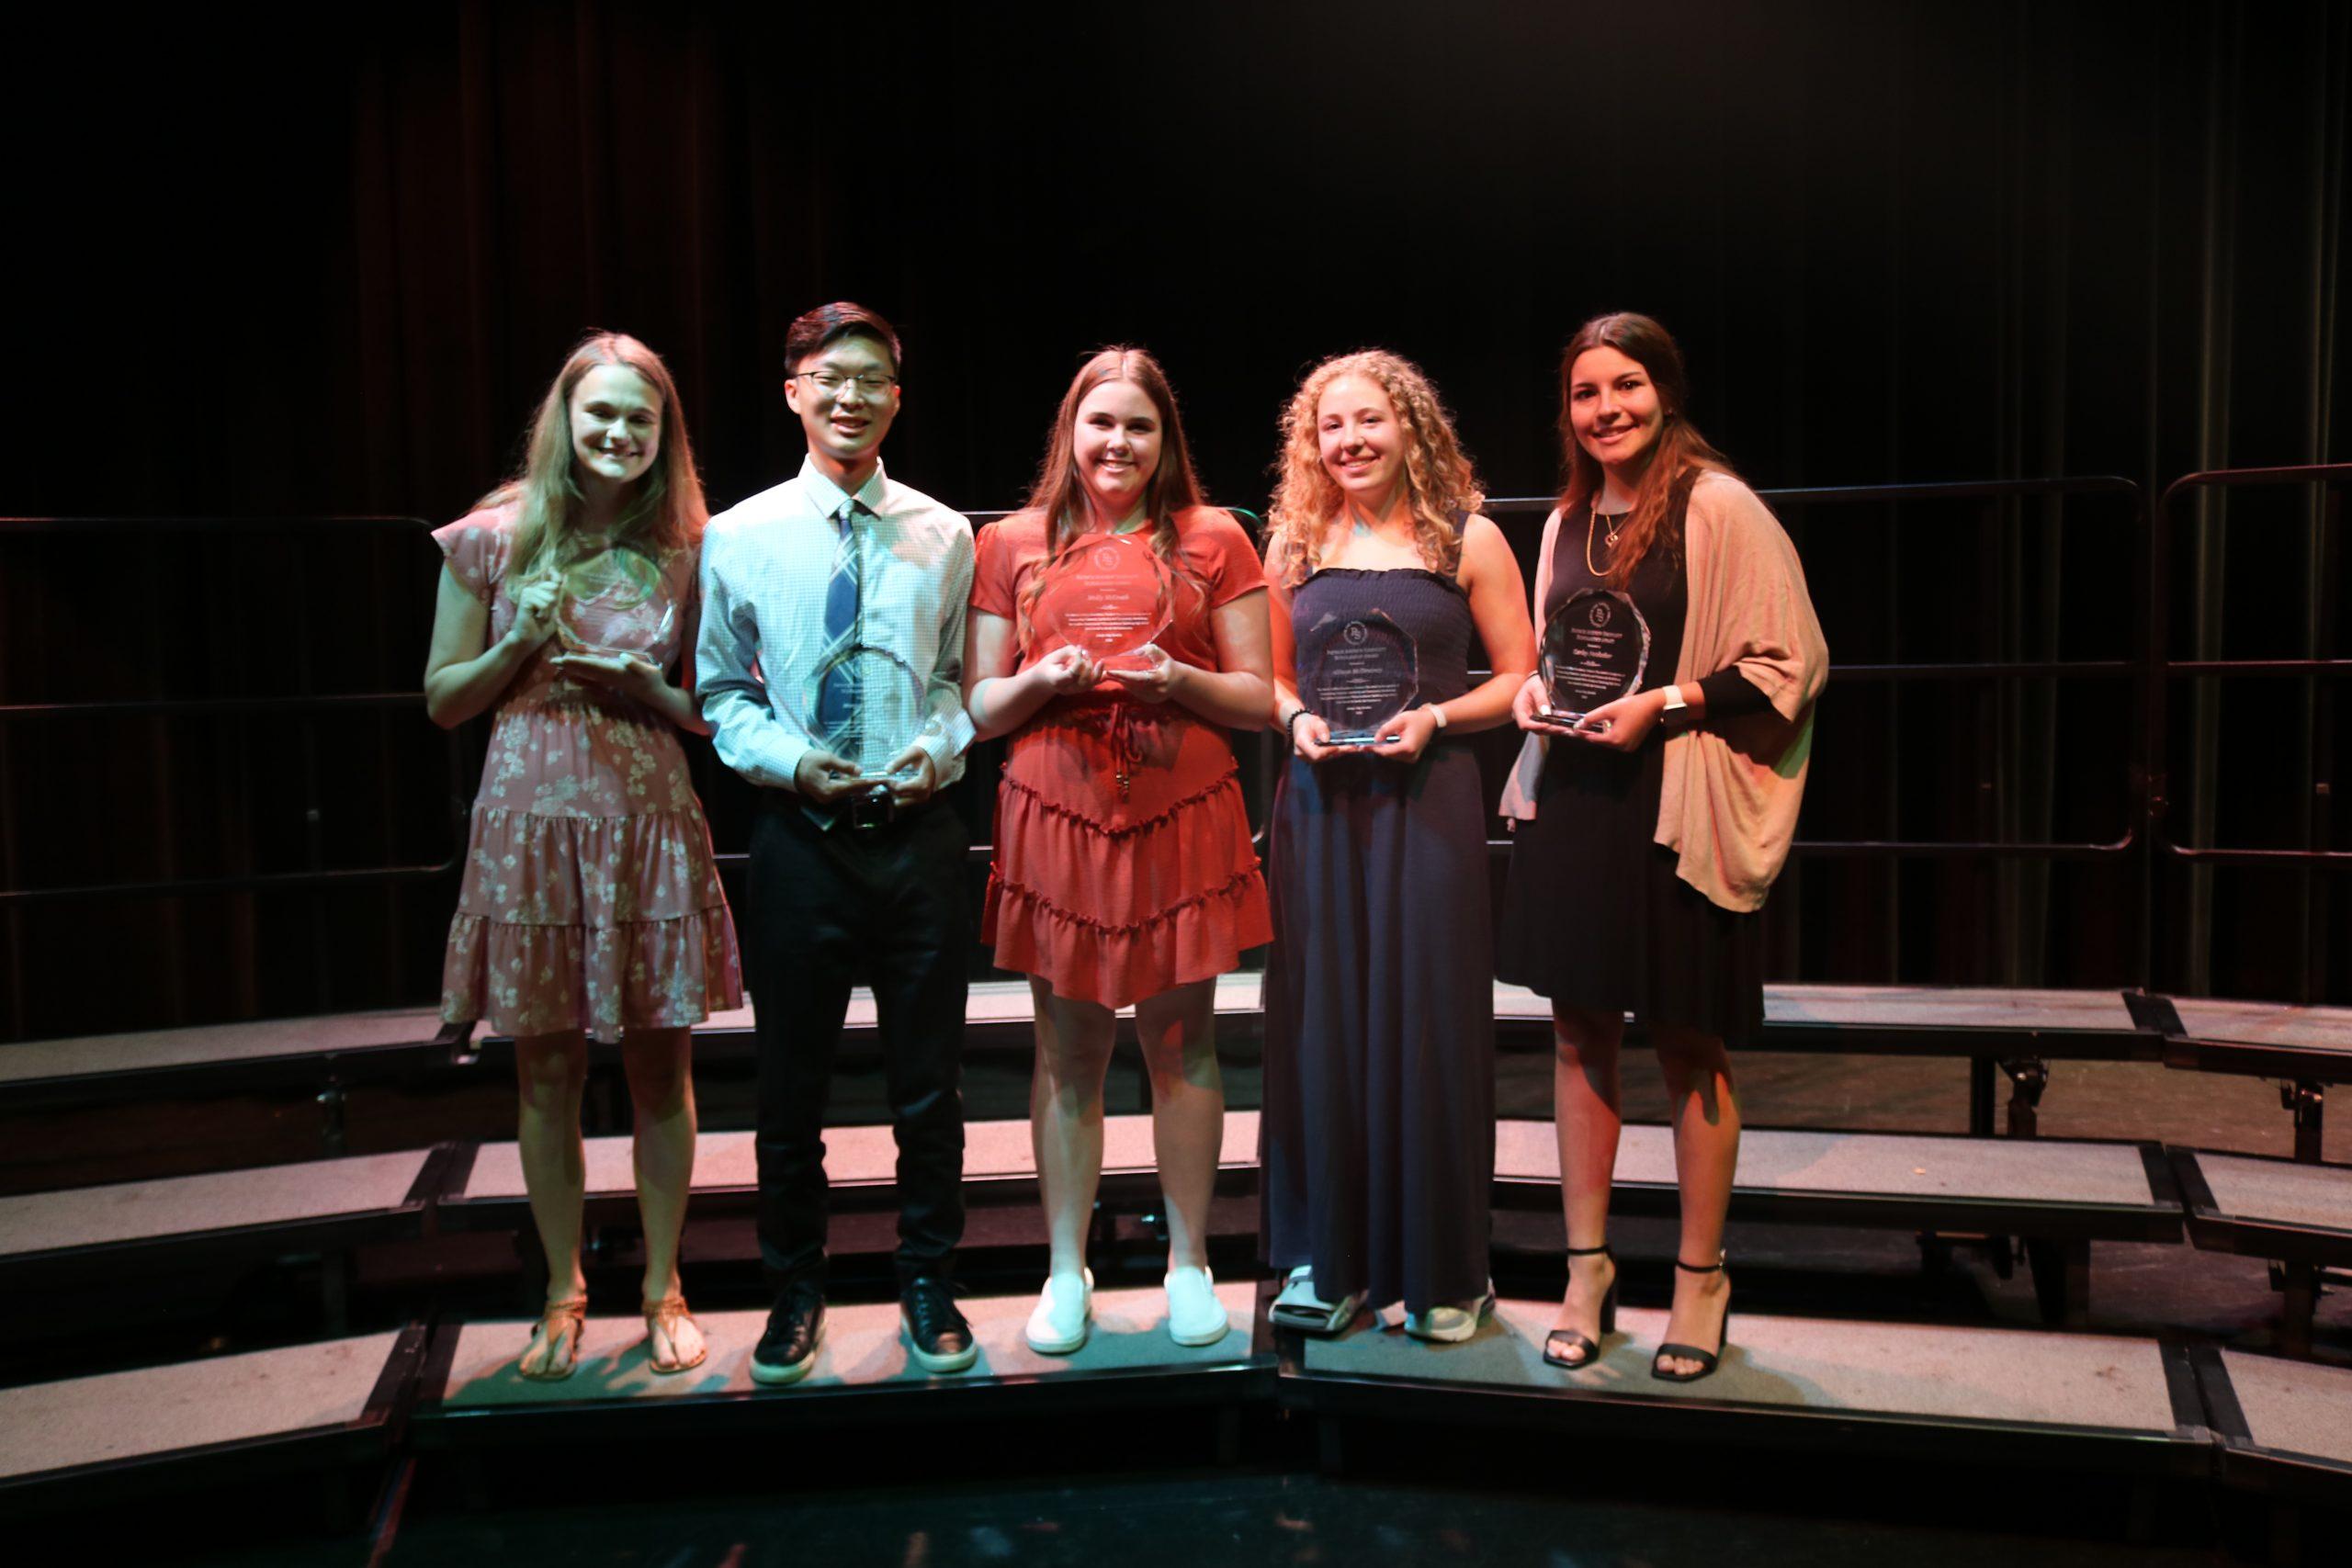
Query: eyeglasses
[{"x": 873, "y": 383}]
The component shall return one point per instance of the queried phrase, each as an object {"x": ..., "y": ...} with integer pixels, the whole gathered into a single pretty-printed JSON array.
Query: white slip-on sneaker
[
  {"x": 1194, "y": 1314},
  {"x": 1454, "y": 1323},
  {"x": 1064, "y": 1308},
  {"x": 1300, "y": 1308}
]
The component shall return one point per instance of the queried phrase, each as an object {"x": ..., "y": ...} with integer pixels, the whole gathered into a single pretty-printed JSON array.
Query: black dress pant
[{"x": 825, "y": 901}]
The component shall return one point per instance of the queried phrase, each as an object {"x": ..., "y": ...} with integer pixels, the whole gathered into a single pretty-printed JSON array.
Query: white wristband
[{"x": 1436, "y": 712}]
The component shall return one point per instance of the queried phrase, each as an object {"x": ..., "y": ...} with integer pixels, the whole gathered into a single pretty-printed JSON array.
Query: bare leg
[
  {"x": 1074, "y": 1042},
  {"x": 1179, "y": 1032},
  {"x": 1706, "y": 1113},
  {"x": 550, "y": 1071},
  {"x": 661, "y": 1092},
  {"x": 1586, "y": 1099}
]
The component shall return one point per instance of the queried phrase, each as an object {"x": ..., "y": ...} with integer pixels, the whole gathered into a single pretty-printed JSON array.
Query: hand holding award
[
  {"x": 1595, "y": 648},
  {"x": 607, "y": 604},
  {"x": 606, "y": 621},
  {"x": 1357, "y": 672},
  {"x": 864, "y": 706},
  {"x": 1108, "y": 595}
]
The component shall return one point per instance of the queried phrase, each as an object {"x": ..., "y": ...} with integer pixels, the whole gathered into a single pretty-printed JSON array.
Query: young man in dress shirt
[{"x": 843, "y": 876}]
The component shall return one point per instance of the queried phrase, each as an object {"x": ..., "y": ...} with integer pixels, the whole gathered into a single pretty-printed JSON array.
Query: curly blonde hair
[{"x": 1439, "y": 481}]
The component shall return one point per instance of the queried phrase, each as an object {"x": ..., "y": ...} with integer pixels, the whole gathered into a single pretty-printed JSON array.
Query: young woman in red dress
[{"x": 1124, "y": 873}]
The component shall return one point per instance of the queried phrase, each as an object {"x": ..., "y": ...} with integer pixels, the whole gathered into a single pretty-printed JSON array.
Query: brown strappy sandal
[
  {"x": 567, "y": 1318},
  {"x": 661, "y": 1315}
]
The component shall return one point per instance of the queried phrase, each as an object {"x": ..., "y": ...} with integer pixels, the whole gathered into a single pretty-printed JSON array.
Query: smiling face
[
  {"x": 1361, "y": 440},
  {"x": 615, "y": 425},
  {"x": 1115, "y": 446},
  {"x": 1615, "y": 410},
  {"x": 845, "y": 423}
]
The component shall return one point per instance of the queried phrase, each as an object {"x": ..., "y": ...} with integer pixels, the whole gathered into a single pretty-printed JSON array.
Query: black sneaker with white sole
[
  {"x": 796, "y": 1327},
  {"x": 938, "y": 1338}
]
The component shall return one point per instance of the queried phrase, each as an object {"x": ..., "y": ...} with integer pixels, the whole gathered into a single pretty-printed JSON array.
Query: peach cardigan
[{"x": 1728, "y": 803}]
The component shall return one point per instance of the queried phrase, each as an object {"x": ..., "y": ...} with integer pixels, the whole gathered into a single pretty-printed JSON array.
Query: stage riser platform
[
  {"x": 2117, "y": 1402},
  {"x": 2032, "y": 1401},
  {"x": 2295, "y": 1213},
  {"x": 2066, "y": 1193},
  {"x": 2284, "y": 1426},
  {"x": 325, "y": 1206},
  {"x": 2028, "y": 1399},
  {"x": 1985, "y": 1026},
  {"x": 473, "y": 1396},
  {"x": 325, "y": 1408}
]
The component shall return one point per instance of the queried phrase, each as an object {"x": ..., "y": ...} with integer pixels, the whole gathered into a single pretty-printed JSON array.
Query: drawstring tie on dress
[{"x": 1119, "y": 727}]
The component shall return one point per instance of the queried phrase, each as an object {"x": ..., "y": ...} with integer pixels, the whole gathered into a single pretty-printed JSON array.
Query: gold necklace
[{"x": 1592, "y": 521}]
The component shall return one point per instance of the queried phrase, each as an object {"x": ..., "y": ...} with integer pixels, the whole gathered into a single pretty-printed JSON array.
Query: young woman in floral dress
[{"x": 591, "y": 907}]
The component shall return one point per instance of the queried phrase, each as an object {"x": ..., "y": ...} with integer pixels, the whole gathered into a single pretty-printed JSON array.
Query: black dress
[
  {"x": 1593, "y": 913},
  {"x": 1377, "y": 1136}
]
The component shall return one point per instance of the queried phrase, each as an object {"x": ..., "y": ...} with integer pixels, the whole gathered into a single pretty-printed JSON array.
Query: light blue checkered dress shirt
[{"x": 766, "y": 565}]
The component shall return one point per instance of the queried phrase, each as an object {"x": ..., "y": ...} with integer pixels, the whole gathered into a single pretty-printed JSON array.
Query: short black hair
[{"x": 815, "y": 330}]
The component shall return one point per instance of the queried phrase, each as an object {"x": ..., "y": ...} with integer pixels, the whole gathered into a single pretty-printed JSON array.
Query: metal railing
[
  {"x": 2320, "y": 606},
  {"x": 1845, "y": 674},
  {"x": 305, "y": 704}
]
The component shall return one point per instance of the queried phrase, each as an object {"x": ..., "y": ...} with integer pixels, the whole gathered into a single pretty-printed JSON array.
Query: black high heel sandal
[
  {"x": 1561, "y": 1342},
  {"x": 1707, "y": 1359}
]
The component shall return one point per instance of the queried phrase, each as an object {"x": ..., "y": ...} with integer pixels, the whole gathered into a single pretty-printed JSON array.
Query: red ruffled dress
[
  {"x": 1114, "y": 892},
  {"x": 590, "y": 900}
]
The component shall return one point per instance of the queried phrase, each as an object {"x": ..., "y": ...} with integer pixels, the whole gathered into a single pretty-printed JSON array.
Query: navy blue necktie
[{"x": 837, "y": 693}]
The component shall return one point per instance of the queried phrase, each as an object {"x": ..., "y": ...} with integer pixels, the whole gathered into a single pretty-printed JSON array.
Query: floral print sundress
[{"x": 589, "y": 900}]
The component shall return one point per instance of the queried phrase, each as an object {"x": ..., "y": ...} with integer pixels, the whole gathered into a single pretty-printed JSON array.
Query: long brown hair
[
  {"x": 1439, "y": 478},
  {"x": 665, "y": 510},
  {"x": 1059, "y": 494},
  {"x": 1678, "y": 448}
]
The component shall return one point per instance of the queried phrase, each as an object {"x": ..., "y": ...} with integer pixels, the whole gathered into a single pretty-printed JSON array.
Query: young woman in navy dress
[{"x": 1378, "y": 1134}]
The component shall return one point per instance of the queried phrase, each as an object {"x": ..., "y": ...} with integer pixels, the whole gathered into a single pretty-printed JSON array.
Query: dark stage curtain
[{"x": 308, "y": 263}]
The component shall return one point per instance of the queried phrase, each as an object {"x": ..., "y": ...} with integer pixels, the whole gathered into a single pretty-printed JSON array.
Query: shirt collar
[{"x": 827, "y": 496}]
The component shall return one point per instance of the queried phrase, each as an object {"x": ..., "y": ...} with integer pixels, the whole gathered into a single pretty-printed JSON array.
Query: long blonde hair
[
  {"x": 665, "y": 512},
  {"x": 1440, "y": 479},
  {"x": 1678, "y": 453}
]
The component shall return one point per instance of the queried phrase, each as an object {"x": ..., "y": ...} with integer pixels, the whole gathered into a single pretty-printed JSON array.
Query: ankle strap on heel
[
  {"x": 1601, "y": 1251},
  {"x": 1715, "y": 1267}
]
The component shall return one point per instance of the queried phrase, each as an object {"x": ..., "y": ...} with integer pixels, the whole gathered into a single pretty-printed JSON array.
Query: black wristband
[{"x": 1290, "y": 725}]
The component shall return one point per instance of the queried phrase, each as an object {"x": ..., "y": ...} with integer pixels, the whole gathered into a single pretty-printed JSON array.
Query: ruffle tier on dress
[
  {"x": 591, "y": 898},
  {"x": 1116, "y": 892}
]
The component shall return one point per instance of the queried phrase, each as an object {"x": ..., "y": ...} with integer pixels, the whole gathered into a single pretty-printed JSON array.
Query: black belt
[{"x": 862, "y": 813}]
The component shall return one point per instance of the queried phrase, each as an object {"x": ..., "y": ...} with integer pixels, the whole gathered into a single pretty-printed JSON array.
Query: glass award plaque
[
  {"x": 1109, "y": 594},
  {"x": 865, "y": 705},
  {"x": 1595, "y": 648},
  {"x": 1356, "y": 673},
  {"x": 598, "y": 594}
]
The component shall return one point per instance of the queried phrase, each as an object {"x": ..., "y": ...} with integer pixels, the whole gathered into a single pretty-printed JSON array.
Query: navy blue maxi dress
[{"x": 1377, "y": 1137}]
